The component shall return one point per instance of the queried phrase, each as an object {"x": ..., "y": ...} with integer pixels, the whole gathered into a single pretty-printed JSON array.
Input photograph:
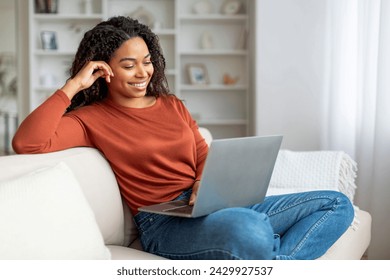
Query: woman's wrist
[{"x": 70, "y": 88}]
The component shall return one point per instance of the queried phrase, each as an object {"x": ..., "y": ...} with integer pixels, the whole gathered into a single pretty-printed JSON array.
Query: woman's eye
[{"x": 128, "y": 66}]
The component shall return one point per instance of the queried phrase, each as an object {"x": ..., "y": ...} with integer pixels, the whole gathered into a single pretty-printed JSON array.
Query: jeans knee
[
  {"x": 347, "y": 207},
  {"x": 244, "y": 233},
  {"x": 342, "y": 207}
]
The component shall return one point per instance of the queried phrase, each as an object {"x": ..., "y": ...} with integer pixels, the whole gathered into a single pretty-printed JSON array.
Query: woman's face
[{"x": 133, "y": 69}]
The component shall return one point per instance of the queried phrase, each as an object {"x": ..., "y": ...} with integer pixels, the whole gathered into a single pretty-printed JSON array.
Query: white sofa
[{"x": 113, "y": 218}]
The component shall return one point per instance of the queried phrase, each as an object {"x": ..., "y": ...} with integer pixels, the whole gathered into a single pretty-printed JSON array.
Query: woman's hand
[
  {"x": 195, "y": 188},
  {"x": 90, "y": 72}
]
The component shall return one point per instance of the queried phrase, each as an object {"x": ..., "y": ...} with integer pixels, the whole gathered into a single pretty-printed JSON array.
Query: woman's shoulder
[
  {"x": 171, "y": 99},
  {"x": 177, "y": 104}
]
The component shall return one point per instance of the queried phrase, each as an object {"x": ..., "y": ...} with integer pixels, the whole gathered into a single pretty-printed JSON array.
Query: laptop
[{"x": 237, "y": 173}]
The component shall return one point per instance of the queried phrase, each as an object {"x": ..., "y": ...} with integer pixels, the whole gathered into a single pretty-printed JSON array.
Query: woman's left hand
[{"x": 195, "y": 188}]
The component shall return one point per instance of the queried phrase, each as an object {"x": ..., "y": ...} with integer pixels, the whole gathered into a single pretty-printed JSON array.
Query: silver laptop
[{"x": 237, "y": 173}]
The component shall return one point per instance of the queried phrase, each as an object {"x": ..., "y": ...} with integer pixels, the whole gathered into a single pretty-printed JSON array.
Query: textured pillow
[{"x": 44, "y": 215}]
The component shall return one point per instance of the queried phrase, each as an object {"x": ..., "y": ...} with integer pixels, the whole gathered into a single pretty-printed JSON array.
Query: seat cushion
[{"x": 125, "y": 253}]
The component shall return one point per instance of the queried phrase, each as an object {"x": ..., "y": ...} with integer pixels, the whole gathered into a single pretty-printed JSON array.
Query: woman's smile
[{"x": 139, "y": 85}]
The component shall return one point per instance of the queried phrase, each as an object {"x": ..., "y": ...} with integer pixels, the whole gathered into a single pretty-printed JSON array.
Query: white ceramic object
[
  {"x": 202, "y": 7},
  {"x": 231, "y": 7}
]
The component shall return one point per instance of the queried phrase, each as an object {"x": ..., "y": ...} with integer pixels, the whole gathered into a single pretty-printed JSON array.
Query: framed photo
[
  {"x": 49, "y": 40},
  {"x": 197, "y": 74}
]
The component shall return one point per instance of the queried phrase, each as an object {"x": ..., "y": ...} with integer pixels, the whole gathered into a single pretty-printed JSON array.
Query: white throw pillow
[{"x": 44, "y": 215}]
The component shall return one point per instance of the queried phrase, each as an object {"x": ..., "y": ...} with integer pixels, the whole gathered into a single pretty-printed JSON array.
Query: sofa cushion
[
  {"x": 94, "y": 175},
  {"x": 131, "y": 231},
  {"x": 44, "y": 215},
  {"x": 124, "y": 253}
]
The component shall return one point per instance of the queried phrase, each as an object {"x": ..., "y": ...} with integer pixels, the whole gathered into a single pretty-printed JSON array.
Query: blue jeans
[{"x": 300, "y": 226}]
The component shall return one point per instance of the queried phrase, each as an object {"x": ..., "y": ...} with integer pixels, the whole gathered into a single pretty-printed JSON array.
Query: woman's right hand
[
  {"x": 195, "y": 188},
  {"x": 87, "y": 75}
]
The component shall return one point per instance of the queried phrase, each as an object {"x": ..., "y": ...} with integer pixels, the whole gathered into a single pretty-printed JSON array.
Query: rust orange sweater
[{"x": 155, "y": 152}]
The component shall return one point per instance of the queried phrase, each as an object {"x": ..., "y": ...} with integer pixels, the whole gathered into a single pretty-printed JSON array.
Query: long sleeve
[
  {"x": 201, "y": 145},
  {"x": 47, "y": 129}
]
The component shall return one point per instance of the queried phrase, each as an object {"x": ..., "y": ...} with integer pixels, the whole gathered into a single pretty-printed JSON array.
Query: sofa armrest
[{"x": 206, "y": 135}]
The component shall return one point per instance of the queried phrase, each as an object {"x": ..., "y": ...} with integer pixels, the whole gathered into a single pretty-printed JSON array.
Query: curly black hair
[{"x": 101, "y": 42}]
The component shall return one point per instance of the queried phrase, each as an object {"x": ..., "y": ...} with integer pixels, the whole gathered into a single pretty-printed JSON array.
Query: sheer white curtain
[{"x": 357, "y": 104}]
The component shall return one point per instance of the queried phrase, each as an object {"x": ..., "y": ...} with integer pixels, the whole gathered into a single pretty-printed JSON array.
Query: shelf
[
  {"x": 214, "y": 87},
  {"x": 213, "y": 17},
  {"x": 62, "y": 17},
  {"x": 53, "y": 53},
  {"x": 165, "y": 32},
  {"x": 214, "y": 52},
  {"x": 45, "y": 89},
  {"x": 170, "y": 72}
]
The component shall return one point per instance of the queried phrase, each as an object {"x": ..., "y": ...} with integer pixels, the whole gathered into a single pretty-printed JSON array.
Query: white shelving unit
[
  {"x": 49, "y": 68},
  {"x": 224, "y": 109}
]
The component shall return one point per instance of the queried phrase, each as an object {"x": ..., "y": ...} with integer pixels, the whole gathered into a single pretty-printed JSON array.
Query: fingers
[
  {"x": 195, "y": 188},
  {"x": 88, "y": 74},
  {"x": 92, "y": 71},
  {"x": 103, "y": 70},
  {"x": 192, "y": 199},
  {"x": 102, "y": 74}
]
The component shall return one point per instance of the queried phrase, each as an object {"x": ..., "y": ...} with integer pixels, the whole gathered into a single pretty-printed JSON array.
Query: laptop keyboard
[{"x": 180, "y": 206}]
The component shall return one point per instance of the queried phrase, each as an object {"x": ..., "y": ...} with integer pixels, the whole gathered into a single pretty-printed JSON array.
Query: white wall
[
  {"x": 291, "y": 41},
  {"x": 290, "y": 71},
  {"x": 7, "y": 26},
  {"x": 7, "y": 47}
]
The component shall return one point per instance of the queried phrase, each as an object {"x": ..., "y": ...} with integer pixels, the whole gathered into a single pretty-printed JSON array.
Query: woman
[{"x": 117, "y": 100}]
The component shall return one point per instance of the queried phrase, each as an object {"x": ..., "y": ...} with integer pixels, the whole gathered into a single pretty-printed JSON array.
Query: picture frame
[
  {"x": 197, "y": 74},
  {"x": 49, "y": 40}
]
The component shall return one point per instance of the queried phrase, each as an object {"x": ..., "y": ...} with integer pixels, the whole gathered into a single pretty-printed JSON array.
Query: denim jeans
[{"x": 283, "y": 227}]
